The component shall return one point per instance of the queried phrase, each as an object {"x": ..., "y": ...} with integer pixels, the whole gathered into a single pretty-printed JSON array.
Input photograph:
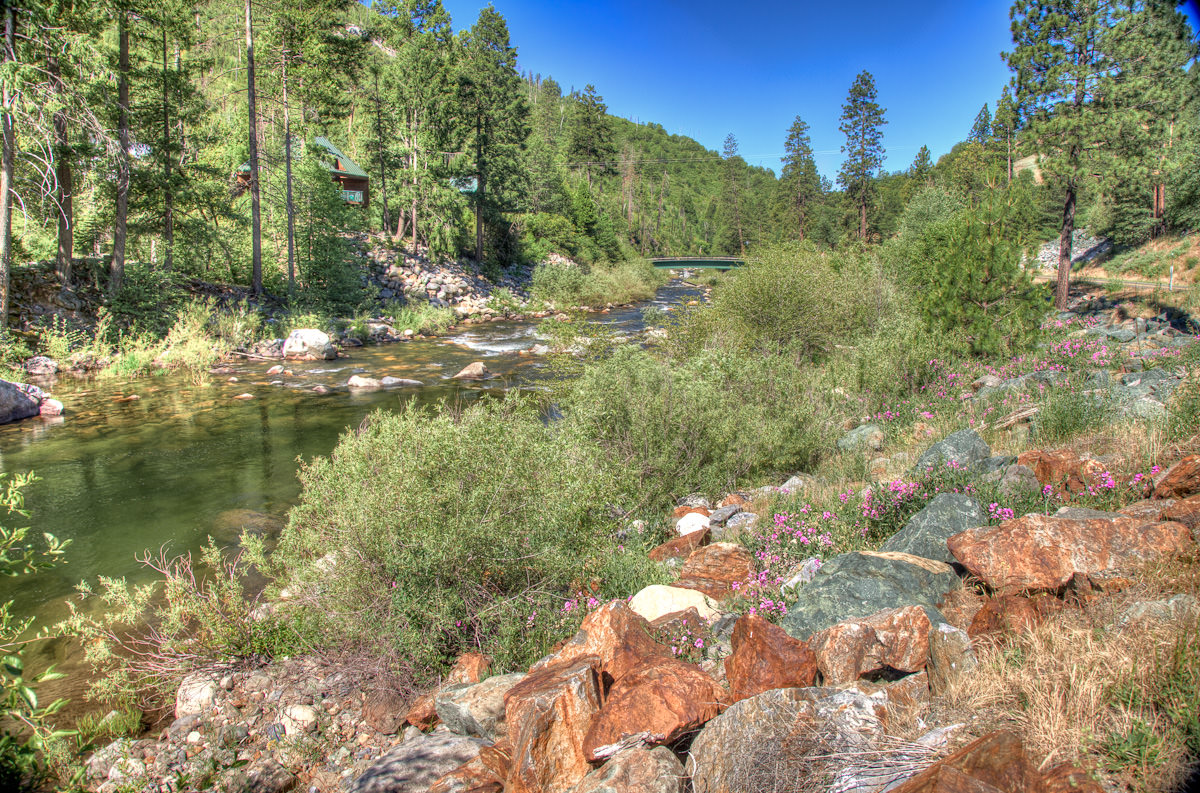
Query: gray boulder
[
  {"x": 962, "y": 449},
  {"x": 718, "y": 516},
  {"x": 40, "y": 366},
  {"x": 926, "y": 533},
  {"x": 862, "y": 583},
  {"x": 400, "y": 382},
  {"x": 859, "y": 439},
  {"x": 416, "y": 764},
  {"x": 309, "y": 344},
  {"x": 475, "y": 709},
  {"x": 636, "y": 770},
  {"x": 18, "y": 401},
  {"x": 771, "y": 740}
]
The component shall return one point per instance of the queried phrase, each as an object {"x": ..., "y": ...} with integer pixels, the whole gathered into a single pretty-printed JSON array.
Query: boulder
[
  {"x": 771, "y": 740},
  {"x": 384, "y": 711},
  {"x": 1064, "y": 471},
  {"x": 414, "y": 765},
  {"x": 1179, "y": 481},
  {"x": 616, "y": 636},
  {"x": 686, "y": 509},
  {"x": 399, "y": 382},
  {"x": 764, "y": 657},
  {"x": 262, "y": 776},
  {"x": 1036, "y": 553},
  {"x": 861, "y": 439},
  {"x": 423, "y": 713},
  {"x": 358, "y": 381},
  {"x": 41, "y": 366},
  {"x": 548, "y": 714},
  {"x": 657, "y": 704},
  {"x": 678, "y": 548},
  {"x": 961, "y": 449},
  {"x": 950, "y": 657},
  {"x": 864, "y": 583},
  {"x": 298, "y": 719},
  {"x": 691, "y": 523},
  {"x": 1185, "y": 511},
  {"x": 636, "y": 770},
  {"x": 473, "y": 371},
  {"x": 475, "y": 708},
  {"x": 713, "y": 569},
  {"x": 197, "y": 693},
  {"x": 926, "y": 533},
  {"x": 309, "y": 344},
  {"x": 894, "y": 640},
  {"x": 1147, "y": 511},
  {"x": 995, "y": 763},
  {"x": 50, "y": 407},
  {"x": 17, "y": 402},
  {"x": 472, "y": 776},
  {"x": 718, "y": 516},
  {"x": 656, "y": 600}
]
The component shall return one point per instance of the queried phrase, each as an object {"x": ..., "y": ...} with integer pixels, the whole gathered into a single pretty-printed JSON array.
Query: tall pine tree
[
  {"x": 862, "y": 124},
  {"x": 799, "y": 182}
]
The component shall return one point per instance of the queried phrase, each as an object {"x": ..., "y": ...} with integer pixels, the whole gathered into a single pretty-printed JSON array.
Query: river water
[{"x": 186, "y": 460}]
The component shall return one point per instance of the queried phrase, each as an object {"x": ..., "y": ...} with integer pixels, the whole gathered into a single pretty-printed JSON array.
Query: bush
[
  {"x": 453, "y": 531},
  {"x": 969, "y": 281},
  {"x": 1065, "y": 414},
  {"x": 700, "y": 424},
  {"x": 788, "y": 297}
]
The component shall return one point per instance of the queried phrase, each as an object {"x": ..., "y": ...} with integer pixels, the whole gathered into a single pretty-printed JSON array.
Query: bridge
[{"x": 698, "y": 262}]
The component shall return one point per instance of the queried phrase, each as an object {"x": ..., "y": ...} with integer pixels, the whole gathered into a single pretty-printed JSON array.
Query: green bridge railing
[{"x": 698, "y": 262}]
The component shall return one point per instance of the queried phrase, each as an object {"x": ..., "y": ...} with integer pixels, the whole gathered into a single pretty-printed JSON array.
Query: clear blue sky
[{"x": 705, "y": 69}]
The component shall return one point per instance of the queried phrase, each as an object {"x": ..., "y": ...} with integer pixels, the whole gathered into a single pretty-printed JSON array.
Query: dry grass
[{"x": 1082, "y": 690}]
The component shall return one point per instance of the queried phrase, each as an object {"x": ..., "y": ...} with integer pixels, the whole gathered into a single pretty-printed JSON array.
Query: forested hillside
[{"x": 156, "y": 137}]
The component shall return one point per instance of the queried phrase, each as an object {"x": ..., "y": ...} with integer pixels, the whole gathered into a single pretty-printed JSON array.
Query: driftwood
[{"x": 1016, "y": 417}]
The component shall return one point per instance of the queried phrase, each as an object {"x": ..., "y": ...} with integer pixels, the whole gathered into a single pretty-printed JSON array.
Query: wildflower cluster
[{"x": 686, "y": 637}]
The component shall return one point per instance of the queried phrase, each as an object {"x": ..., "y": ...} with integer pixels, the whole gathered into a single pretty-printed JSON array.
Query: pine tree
[
  {"x": 591, "y": 136},
  {"x": 862, "y": 123},
  {"x": 981, "y": 130},
  {"x": 1004, "y": 129},
  {"x": 1081, "y": 67},
  {"x": 731, "y": 195},
  {"x": 921, "y": 169},
  {"x": 495, "y": 117},
  {"x": 800, "y": 183}
]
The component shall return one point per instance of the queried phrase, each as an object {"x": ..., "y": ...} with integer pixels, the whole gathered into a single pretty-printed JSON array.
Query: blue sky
[{"x": 705, "y": 69}]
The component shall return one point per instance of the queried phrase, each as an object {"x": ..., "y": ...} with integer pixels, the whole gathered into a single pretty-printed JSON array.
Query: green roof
[{"x": 349, "y": 166}]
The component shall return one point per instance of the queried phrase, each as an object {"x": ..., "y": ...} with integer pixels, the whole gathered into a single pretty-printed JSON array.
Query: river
[{"x": 186, "y": 460}]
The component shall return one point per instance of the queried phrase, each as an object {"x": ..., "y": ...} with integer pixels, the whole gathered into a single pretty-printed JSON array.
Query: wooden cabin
[{"x": 346, "y": 173}]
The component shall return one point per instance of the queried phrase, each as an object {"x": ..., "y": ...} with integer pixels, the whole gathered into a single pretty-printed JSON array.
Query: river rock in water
[
  {"x": 309, "y": 344},
  {"x": 40, "y": 366},
  {"x": 228, "y": 526},
  {"x": 473, "y": 371},
  {"x": 18, "y": 401}
]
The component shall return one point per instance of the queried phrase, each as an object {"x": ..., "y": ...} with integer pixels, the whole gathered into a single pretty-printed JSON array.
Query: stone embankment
[{"x": 682, "y": 687}]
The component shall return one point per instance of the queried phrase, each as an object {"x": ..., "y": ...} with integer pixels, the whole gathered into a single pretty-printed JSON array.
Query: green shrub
[
  {"x": 788, "y": 297},
  {"x": 436, "y": 531},
  {"x": 148, "y": 300},
  {"x": 698, "y": 424},
  {"x": 1065, "y": 414},
  {"x": 560, "y": 283}
]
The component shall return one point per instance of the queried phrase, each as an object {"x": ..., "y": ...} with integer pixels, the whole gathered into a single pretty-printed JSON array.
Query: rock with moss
[
  {"x": 962, "y": 449},
  {"x": 926, "y": 533}
]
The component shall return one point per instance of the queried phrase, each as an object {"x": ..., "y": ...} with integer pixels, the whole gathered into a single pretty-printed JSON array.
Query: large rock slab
[
  {"x": 771, "y": 740},
  {"x": 863, "y": 583},
  {"x": 961, "y": 449},
  {"x": 475, "y": 709},
  {"x": 995, "y": 763},
  {"x": 658, "y": 600},
  {"x": 616, "y": 636},
  {"x": 417, "y": 763},
  {"x": 926, "y": 533},
  {"x": 764, "y": 657},
  {"x": 1036, "y": 553},
  {"x": 309, "y": 344},
  {"x": 892, "y": 640},
  {"x": 472, "y": 776},
  {"x": 713, "y": 569},
  {"x": 18, "y": 401},
  {"x": 636, "y": 770},
  {"x": 657, "y": 704},
  {"x": 548, "y": 714}
]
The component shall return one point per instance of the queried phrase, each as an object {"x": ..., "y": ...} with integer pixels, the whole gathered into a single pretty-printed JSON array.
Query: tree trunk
[
  {"x": 255, "y": 209},
  {"x": 8, "y": 145},
  {"x": 64, "y": 181},
  {"x": 287, "y": 169},
  {"x": 479, "y": 222},
  {"x": 168, "y": 191},
  {"x": 862, "y": 219},
  {"x": 117, "y": 266},
  {"x": 387, "y": 216},
  {"x": 1064, "y": 249}
]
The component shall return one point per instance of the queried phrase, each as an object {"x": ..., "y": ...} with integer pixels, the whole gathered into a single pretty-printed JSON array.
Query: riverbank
[{"x": 1081, "y": 420}]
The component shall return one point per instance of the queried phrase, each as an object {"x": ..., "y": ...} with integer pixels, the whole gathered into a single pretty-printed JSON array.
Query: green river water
[{"x": 185, "y": 460}]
